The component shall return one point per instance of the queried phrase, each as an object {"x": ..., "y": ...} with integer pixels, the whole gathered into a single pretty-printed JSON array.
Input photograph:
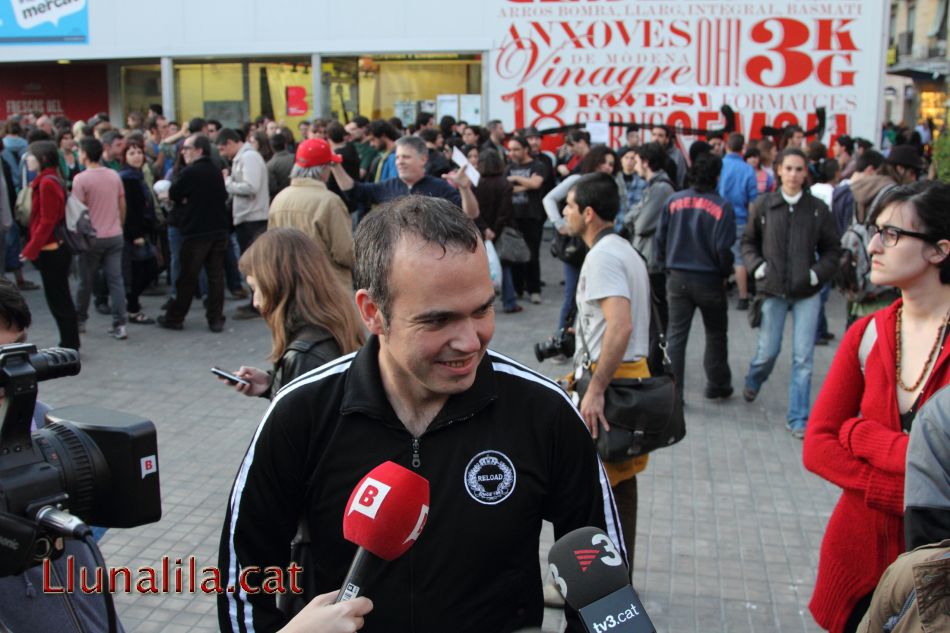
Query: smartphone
[{"x": 231, "y": 378}]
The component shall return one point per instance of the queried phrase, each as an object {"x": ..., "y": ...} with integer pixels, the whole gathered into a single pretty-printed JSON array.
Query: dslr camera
[
  {"x": 86, "y": 465},
  {"x": 561, "y": 343}
]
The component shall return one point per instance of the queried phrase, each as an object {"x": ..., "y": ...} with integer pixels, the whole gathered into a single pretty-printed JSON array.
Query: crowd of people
[{"x": 295, "y": 221}]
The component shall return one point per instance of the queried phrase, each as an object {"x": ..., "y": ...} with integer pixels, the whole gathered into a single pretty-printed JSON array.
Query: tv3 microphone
[
  {"x": 384, "y": 516},
  {"x": 592, "y": 576}
]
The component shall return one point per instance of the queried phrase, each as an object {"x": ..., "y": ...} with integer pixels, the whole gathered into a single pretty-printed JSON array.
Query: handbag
[
  {"x": 569, "y": 249},
  {"x": 141, "y": 252},
  {"x": 644, "y": 413},
  {"x": 75, "y": 231},
  {"x": 512, "y": 247},
  {"x": 494, "y": 265},
  {"x": 24, "y": 201}
]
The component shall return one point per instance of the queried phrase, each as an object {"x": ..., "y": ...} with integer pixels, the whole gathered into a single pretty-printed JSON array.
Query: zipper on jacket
[{"x": 416, "y": 460}]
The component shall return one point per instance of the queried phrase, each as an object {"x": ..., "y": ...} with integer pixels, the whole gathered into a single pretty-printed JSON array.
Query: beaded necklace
[{"x": 941, "y": 333}]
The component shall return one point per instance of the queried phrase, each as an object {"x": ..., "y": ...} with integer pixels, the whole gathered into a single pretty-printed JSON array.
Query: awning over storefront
[{"x": 922, "y": 69}]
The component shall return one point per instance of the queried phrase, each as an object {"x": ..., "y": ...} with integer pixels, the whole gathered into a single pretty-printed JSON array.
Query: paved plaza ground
[{"x": 729, "y": 525}]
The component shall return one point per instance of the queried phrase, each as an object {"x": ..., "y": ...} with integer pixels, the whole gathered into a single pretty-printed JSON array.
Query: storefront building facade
[{"x": 546, "y": 63}]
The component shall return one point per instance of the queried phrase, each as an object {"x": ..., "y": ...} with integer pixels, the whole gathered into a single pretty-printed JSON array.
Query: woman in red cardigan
[
  {"x": 51, "y": 257},
  {"x": 888, "y": 365}
]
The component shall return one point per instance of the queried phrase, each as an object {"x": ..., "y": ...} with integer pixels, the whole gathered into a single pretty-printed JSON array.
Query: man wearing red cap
[{"x": 309, "y": 206}]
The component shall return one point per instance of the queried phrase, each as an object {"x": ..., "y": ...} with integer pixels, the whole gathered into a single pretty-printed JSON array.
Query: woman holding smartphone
[{"x": 311, "y": 316}]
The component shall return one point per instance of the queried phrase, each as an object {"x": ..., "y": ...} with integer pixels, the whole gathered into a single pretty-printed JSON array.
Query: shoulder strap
[
  {"x": 877, "y": 199},
  {"x": 867, "y": 342},
  {"x": 300, "y": 346},
  {"x": 661, "y": 335}
]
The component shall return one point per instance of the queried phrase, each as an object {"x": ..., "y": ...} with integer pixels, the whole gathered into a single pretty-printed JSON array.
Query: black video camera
[
  {"x": 86, "y": 464},
  {"x": 561, "y": 343}
]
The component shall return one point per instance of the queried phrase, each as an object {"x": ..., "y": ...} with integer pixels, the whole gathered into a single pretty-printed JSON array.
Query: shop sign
[
  {"x": 558, "y": 62},
  {"x": 76, "y": 91},
  {"x": 44, "y": 22},
  {"x": 297, "y": 101}
]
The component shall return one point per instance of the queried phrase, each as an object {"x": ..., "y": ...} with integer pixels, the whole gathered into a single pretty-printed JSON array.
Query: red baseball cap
[{"x": 315, "y": 152}]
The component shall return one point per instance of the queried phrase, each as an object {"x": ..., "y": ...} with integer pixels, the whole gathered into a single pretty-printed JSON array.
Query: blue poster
[{"x": 44, "y": 22}]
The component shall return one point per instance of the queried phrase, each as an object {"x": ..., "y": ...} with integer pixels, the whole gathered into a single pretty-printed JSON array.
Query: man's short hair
[
  {"x": 228, "y": 134},
  {"x": 869, "y": 158},
  {"x": 110, "y": 137},
  {"x": 36, "y": 134},
  {"x": 203, "y": 143},
  {"x": 278, "y": 142},
  {"x": 335, "y": 132},
  {"x": 360, "y": 120},
  {"x": 846, "y": 143},
  {"x": 216, "y": 123},
  {"x": 697, "y": 148},
  {"x": 380, "y": 128},
  {"x": 423, "y": 118},
  {"x": 520, "y": 140},
  {"x": 735, "y": 142},
  {"x": 653, "y": 154},
  {"x": 491, "y": 125},
  {"x": 196, "y": 125},
  {"x": 429, "y": 135},
  {"x": 92, "y": 148},
  {"x": 704, "y": 173},
  {"x": 577, "y": 135},
  {"x": 14, "y": 312},
  {"x": 863, "y": 143},
  {"x": 599, "y": 192},
  {"x": 431, "y": 220},
  {"x": 414, "y": 142}
]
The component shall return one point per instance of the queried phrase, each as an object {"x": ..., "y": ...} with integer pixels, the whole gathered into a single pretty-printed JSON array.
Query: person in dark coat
[
  {"x": 204, "y": 220},
  {"x": 495, "y": 213}
]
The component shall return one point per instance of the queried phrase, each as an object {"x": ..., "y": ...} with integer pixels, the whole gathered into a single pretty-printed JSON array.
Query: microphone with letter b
[
  {"x": 384, "y": 516},
  {"x": 592, "y": 576}
]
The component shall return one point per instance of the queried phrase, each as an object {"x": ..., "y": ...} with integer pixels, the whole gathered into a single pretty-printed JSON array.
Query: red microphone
[{"x": 384, "y": 516}]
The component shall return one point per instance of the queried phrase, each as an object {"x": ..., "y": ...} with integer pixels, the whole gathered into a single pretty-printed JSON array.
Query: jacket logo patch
[{"x": 490, "y": 477}]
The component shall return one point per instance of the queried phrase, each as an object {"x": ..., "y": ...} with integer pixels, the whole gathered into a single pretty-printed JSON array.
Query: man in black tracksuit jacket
[
  {"x": 694, "y": 240},
  {"x": 475, "y": 565}
]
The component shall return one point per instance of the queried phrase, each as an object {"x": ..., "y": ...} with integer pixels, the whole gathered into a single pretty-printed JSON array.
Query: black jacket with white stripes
[{"x": 475, "y": 567}]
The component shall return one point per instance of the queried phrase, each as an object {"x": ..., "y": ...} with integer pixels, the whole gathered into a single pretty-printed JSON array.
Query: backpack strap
[
  {"x": 300, "y": 346},
  {"x": 877, "y": 200},
  {"x": 868, "y": 339}
]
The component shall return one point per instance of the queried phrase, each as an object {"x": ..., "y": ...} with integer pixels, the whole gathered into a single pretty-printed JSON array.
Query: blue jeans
[
  {"x": 571, "y": 275},
  {"x": 509, "y": 298},
  {"x": 822, "y": 329},
  {"x": 804, "y": 321},
  {"x": 12, "y": 253}
]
